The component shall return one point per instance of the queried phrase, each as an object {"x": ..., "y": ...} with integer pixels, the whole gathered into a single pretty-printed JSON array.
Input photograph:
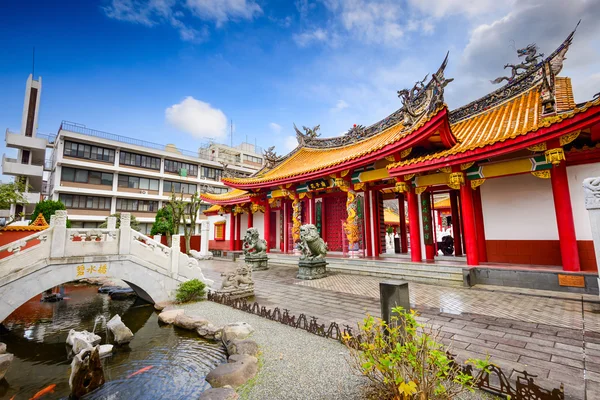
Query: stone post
[
  {"x": 59, "y": 234},
  {"x": 112, "y": 223},
  {"x": 52, "y": 219},
  {"x": 591, "y": 188},
  {"x": 125, "y": 234},
  {"x": 204, "y": 233},
  {"x": 393, "y": 294},
  {"x": 175, "y": 253}
]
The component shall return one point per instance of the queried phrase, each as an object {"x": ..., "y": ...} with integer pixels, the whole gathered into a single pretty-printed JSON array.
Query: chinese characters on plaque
[{"x": 92, "y": 269}]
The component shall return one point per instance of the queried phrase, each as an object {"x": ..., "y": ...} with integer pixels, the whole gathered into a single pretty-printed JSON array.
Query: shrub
[
  {"x": 403, "y": 360},
  {"x": 191, "y": 290},
  {"x": 48, "y": 208},
  {"x": 133, "y": 222}
]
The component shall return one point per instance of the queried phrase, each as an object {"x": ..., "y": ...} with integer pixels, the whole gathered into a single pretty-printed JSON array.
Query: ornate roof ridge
[{"x": 519, "y": 82}]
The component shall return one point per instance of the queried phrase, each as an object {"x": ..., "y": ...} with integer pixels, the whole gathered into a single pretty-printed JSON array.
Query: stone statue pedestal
[
  {"x": 238, "y": 293},
  {"x": 257, "y": 263},
  {"x": 312, "y": 269}
]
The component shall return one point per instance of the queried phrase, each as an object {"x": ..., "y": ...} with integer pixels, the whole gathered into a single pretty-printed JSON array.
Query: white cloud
[
  {"x": 197, "y": 118},
  {"x": 308, "y": 37},
  {"x": 222, "y": 11},
  {"x": 275, "y": 127},
  {"x": 154, "y": 12},
  {"x": 340, "y": 105},
  {"x": 444, "y": 8}
]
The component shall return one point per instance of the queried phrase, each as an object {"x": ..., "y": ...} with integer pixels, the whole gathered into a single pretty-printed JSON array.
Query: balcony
[
  {"x": 11, "y": 166},
  {"x": 32, "y": 197},
  {"x": 18, "y": 141}
]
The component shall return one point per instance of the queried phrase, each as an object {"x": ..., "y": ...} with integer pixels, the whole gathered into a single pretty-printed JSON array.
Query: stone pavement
[{"x": 553, "y": 335}]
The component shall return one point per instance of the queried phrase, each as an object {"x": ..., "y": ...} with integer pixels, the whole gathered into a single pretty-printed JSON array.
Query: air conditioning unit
[{"x": 143, "y": 191}]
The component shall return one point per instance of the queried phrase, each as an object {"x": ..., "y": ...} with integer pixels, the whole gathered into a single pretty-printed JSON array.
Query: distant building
[{"x": 96, "y": 173}]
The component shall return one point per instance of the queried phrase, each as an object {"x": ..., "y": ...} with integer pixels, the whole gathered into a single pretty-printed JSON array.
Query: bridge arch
[{"x": 151, "y": 285}]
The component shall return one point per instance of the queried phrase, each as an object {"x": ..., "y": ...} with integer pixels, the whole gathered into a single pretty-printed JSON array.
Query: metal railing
[{"x": 50, "y": 138}]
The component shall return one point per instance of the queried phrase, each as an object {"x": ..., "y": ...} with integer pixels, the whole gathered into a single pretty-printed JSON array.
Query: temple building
[{"x": 510, "y": 166}]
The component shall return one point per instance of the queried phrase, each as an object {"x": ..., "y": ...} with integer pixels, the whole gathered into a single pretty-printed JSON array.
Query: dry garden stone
[
  {"x": 248, "y": 347},
  {"x": 223, "y": 393},
  {"x": 168, "y": 317},
  {"x": 236, "y": 330},
  {"x": 235, "y": 373},
  {"x": 210, "y": 331},
  {"x": 189, "y": 322}
]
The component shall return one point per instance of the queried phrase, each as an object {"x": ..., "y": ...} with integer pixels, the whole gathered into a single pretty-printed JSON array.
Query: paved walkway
[{"x": 555, "y": 336}]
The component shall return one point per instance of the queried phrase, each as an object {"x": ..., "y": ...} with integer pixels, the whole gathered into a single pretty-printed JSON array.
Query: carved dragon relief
[
  {"x": 531, "y": 61},
  {"x": 271, "y": 157},
  {"x": 230, "y": 173}
]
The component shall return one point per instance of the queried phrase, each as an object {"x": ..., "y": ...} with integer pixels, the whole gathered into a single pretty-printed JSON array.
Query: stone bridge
[{"x": 57, "y": 255}]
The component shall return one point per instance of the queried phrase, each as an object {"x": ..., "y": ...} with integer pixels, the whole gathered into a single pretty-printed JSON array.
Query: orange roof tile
[
  {"x": 39, "y": 224},
  {"x": 235, "y": 194},
  {"x": 564, "y": 94}
]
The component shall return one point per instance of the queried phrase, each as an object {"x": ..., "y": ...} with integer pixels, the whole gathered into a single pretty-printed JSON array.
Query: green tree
[
  {"x": 163, "y": 223},
  {"x": 48, "y": 208},
  {"x": 135, "y": 225},
  {"x": 12, "y": 194}
]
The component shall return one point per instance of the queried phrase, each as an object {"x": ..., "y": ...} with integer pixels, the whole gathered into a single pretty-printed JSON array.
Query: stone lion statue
[
  {"x": 311, "y": 245},
  {"x": 253, "y": 244},
  {"x": 240, "y": 278}
]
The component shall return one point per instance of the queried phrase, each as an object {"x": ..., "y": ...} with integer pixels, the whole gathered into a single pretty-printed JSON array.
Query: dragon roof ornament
[
  {"x": 230, "y": 173},
  {"x": 524, "y": 76},
  {"x": 419, "y": 101},
  {"x": 271, "y": 157}
]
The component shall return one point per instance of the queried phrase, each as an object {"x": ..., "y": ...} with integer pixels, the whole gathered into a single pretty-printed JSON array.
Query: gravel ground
[{"x": 295, "y": 363}]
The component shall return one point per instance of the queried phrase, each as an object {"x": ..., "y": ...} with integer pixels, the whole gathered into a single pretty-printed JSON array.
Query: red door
[
  {"x": 335, "y": 207},
  {"x": 273, "y": 230}
]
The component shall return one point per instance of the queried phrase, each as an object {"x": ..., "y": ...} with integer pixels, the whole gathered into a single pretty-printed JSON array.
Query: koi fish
[
  {"x": 141, "y": 371},
  {"x": 44, "y": 391},
  {"x": 13, "y": 398}
]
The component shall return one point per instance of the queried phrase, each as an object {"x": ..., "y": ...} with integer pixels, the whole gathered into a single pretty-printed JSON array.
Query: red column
[
  {"x": 323, "y": 220},
  {"x": 368, "y": 233},
  {"x": 250, "y": 219},
  {"x": 376, "y": 224},
  {"x": 455, "y": 223},
  {"x": 231, "y": 231},
  {"x": 238, "y": 232},
  {"x": 413, "y": 224},
  {"x": 267, "y": 226},
  {"x": 426, "y": 201},
  {"x": 481, "y": 245},
  {"x": 313, "y": 211},
  {"x": 468, "y": 215},
  {"x": 564, "y": 218},
  {"x": 402, "y": 227}
]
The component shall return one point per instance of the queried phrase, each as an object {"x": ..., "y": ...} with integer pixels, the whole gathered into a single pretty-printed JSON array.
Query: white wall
[
  {"x": 519, "y": 207},
  {"x": 259, "y": 223},
  {"x": 244, "y": 225},
  {"x": 277, "y": 230},
  {"x": 576, "y": 174}
]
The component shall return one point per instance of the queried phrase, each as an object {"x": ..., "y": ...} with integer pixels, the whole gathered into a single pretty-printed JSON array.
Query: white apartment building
[{"x": 96, "y": 173}]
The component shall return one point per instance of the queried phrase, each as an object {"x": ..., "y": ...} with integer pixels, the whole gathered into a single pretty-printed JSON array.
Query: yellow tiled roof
[
  {"x": 212, "y": 209},
  {"x": 513, "y": 118},
  {"x": 307, "y": 160},
  {"x": 229, "y": 196},
  {"x": 391, "y": 217},
  {"x": 564, "y": 94}
]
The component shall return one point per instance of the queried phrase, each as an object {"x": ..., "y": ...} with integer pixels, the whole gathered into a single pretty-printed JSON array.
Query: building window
[
  {"x": 85, "y": 176},
  {"x": 211, "y": 173},
  {"x": 181, "y": 168},
  {"x": 137, "y": 205},
  {"x": 85, "y": 202},
  {"x": 135, "y": 182},
  {"x": 253, "y": 159},
  {"x": 218, "y": 190},
  {"x": 89, "y": 152},
  {"x": 203, "y": 207},
  {"x": 220, "y": 230},
  {"x": 178, "y": 187},
  {"x": 138, "y": 160}
]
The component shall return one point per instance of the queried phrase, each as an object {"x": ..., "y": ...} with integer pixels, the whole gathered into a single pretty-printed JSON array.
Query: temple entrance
[{"x": 335, "y": 208}]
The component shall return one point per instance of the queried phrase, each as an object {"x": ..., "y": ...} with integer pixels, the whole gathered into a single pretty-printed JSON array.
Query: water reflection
[{"x": 36, "y": 334}]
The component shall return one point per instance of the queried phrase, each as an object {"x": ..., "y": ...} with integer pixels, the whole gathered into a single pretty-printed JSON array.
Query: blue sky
[{"x": 173, "y": 71}]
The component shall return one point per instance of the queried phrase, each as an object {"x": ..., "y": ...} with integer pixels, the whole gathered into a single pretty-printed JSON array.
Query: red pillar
[
  {"x": 468, "y": 215},
  {"x": 564, "y": 218},
  {"x": 324, "y": 219},
  {"x": 238, "y": 232},
  {"x": 413, "y": 224},
  {"x": 267, "y": 226},
  {"x": 232, "y": 231},
  {"x": 428, "y": 226},
  {"x": 250, "y": 219},
  {"x": 368, "y": 233},
  {"x": 481, "y": 245},
  {"x": 376, "y": 224},
  {"x": 313, "y": 211},
  {"x": 402, "y": 227},
  {"x": 455, "y": 223}
]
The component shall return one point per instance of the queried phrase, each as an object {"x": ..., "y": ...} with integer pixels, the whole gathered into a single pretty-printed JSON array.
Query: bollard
[{"x": 393, "y": 294}]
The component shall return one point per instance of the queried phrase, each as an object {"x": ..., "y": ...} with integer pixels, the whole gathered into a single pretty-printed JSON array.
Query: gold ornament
[
  {"x": 401, "y": 187},
  {"x": 408, "y": 177},
  {"x": 341, "y": 183},
  {"x": 555, "y": 156},
  {"x": 360, "y": 186},
  {"x": 476, "y": 183},
  {"x": 537, "y": 147},
  {"x": 446, "y": 170},
  {"x": 545, "y": 174},
  {"x": 390, "y": 158},
  {"x": 344, "y": 173},
  {"x": 404, "y": 153},
  {"x": 456, "y": 179},
  {"x": 466, "y": 166},
  {"x": 420, "y": 190},
  {"x": 569, "y": 137}
]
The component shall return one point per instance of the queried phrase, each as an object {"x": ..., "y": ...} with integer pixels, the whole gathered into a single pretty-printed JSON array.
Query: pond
[{"x": 174, "y": 361}]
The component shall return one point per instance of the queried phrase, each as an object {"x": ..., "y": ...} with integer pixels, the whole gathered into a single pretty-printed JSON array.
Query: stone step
[{"x": 389, "y": 272}]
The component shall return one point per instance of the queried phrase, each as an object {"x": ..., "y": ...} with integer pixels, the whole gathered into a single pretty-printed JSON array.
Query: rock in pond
[
  {"x": 168, "y": 317},
  {"x": 86, "y": 372},
  {"x": 5, "y": 361},
  {"x": 189, "y": 322},
  {"x": 121, "y": 333},
  {"x": 248, "y": 347},
  {"x": 121, "y": 294},
  {"x": 236, "y": 330},
  {"x": 238, "y": 371},
  {"x": 105, "y": 350},
  {"x": 210, "y": 332},
  {"x": 86, "y": 336},
  {"x": 2, "y": 348},
  {"x": 222, "y": 393}
]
